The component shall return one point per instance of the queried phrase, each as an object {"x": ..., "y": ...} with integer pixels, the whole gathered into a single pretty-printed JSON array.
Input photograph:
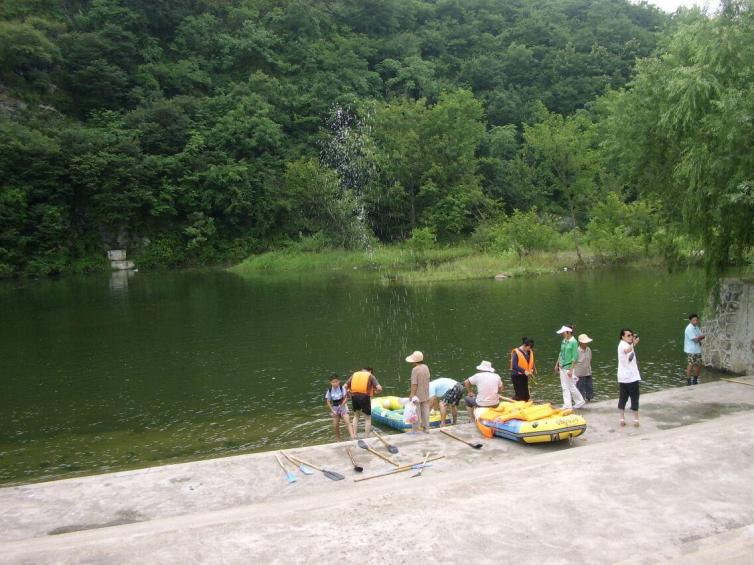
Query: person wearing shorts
[
  {"x": 692, "y": 346},
  {"x": 362, "y": 386},
  {"x": 444, "y": 392},
  {"x": 628, "y": 375},
  {"x": 336, "y": 399},
  {"x": 489, "y": 387}
]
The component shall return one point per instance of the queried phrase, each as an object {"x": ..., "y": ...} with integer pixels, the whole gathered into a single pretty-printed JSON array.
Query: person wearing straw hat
[
  {"x": 489, "y": 387},
  {"x": 419, "y": 390},
  {"x": 564, "y": 365},
  {"x": 582, "y": 368}
]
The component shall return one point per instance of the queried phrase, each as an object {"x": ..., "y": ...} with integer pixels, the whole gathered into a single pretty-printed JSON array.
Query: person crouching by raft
[
  {"x": 582, "y": 368},
  {"x": 446, "y": 392},
  {"x": 489, "y": 387},
  {"x": 522, "y": 368},
  {"x": 336, "y": 399},
  {"x": 419, "y": 390},
  {"x": 362, "y": 385}
]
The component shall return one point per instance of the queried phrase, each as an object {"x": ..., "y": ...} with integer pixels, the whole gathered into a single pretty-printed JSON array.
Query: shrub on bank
[{"x": 521, "y": 232}]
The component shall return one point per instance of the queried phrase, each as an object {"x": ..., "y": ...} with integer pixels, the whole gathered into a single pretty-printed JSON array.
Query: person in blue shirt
[
  {"x": 445, "y": 392},
  {"x": 692, "y": 346}
]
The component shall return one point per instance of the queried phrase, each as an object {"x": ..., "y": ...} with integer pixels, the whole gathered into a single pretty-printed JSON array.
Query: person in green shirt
[{"x": 569, "y": 353}]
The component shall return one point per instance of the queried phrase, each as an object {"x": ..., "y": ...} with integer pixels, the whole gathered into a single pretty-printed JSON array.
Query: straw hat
[
  {"x": 415, "y": 357},
  {"x": 485, "y": 366},
  {"x": 583, "y": 338},
  {"x": 564, "y": 329}
]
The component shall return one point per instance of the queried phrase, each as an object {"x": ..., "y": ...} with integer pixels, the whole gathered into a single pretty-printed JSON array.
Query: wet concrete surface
[{"x": 680, "y": 478}]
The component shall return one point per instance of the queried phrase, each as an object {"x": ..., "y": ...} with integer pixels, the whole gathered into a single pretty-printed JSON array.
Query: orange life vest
[
  {"x": 523, "y": 364},
  {"x": 360, "y": 382}
]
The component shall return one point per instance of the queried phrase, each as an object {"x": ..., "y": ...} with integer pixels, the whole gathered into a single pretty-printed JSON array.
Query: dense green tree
[
  {"x": 682, "y": 131},
  {"x": 562, "y": 152},
  {"x": 184, "y": 130}
]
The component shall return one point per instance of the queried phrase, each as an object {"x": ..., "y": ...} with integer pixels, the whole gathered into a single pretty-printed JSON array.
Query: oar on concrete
[
  {"x": 363, "y": 445},
  {"x": 289, "y": 475},
  {"x": 301, "y": 467},
  {"x": 357, "y": 468},
  {"x": 390, "y": 447},
  {"x": 332, "y": 475},
  {"x": 421, "y": 469},
  {"x": 454, "y": 436}
]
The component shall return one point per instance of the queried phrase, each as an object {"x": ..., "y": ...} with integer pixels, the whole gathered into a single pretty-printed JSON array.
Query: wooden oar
[
  {"x": 332, "y": 475},
  {"x": 363, "y": 445},
  {"x": 390, "y": 447},
  {"x": 421, "y": 469},
  {"x": 303, "y": 468},
  {"x": 357, "y": 468},
  {"x": 454, "y": 436},
  {"x": 400, "y": 469},
  {"x": 289, "y": 475},
  {"x": 739, "y": 382}
]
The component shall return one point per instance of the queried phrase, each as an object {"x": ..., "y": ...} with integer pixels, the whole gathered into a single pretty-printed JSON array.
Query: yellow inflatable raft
[{"x": 529, "y": 423}]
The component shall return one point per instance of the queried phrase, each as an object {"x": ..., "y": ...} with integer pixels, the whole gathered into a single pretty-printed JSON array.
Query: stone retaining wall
[{"x": 729, "y": 344}]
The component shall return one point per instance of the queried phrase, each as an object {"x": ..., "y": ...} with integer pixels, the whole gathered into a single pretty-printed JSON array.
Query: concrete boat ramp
[{"x": 680, "y": 488}]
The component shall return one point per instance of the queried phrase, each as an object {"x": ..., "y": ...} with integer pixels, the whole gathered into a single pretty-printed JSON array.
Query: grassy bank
[{"x": 404, "y": 264}]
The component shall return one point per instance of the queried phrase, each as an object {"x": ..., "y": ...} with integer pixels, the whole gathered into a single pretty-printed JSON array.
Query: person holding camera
[
  {"x": 628, "y": 375},
  {"x": 692, "y": 346}
]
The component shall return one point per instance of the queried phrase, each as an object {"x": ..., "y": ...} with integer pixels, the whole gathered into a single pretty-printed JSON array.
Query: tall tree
[
  {"x": 683, "y": 131},
  {"x": 561, "y": 150}
]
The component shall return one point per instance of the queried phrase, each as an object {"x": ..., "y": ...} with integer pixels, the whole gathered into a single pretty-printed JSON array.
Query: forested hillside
[{"x": 200, "y": 131}]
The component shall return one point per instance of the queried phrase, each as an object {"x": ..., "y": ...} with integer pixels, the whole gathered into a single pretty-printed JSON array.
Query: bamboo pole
[{"x": 739, "y": 382}]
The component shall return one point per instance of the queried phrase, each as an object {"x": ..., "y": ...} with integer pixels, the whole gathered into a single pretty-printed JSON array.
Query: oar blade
[
  {"x": 305, "y": 470},
  {"x": 290, "y": 477},
  {"x": 333, "y": 476},
  {"x": 392, "y": 449},
  {"x": 362, "y": 444}
]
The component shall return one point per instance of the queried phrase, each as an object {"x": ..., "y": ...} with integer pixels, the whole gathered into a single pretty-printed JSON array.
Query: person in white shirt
[
  {"x": 692, "y": 347},
  {"x": 489, "y": 387},
  {"x": 628, "y": 375}
]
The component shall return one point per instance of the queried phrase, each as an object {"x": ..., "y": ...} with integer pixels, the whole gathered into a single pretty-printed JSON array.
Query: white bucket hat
[
  {"x": 564, "y": 329},
  {"x": 485, "y": 366},
  {"x": 583, "y": 338},
  {"x": 415, "y": 357}
]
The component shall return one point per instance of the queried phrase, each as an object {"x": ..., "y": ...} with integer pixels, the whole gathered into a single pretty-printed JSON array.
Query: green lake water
[{"x": 101, "y": 374}]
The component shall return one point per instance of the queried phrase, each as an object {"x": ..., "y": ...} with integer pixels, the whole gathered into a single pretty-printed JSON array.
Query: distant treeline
[{"x": 198, "y": 131}]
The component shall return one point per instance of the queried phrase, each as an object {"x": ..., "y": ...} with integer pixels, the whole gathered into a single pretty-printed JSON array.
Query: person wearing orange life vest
[
  {"x": 362, "y": 385},
  {"x": 522, "y": 368}
]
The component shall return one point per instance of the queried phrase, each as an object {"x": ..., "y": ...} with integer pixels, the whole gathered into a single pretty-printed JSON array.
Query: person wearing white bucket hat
[
  {"x": 564, "y": 365},
  {"x": 582, "y": 368},
  {"x": 420, "y": 390},
  {"x": 489, "y": 387}
]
